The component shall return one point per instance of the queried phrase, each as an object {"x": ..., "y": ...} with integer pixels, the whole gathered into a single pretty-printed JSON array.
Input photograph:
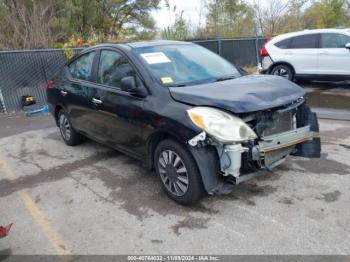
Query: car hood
[{"x": 241, "y": 95}]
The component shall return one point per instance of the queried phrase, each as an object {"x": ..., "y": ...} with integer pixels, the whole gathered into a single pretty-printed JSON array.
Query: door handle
[
  {"x": 324, "y": 53},
  {"x": 96, "y": 101},
  {"x": 64, "y": 93}
]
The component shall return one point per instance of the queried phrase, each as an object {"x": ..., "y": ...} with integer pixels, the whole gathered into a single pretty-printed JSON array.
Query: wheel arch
[
  {"x": 281, "y": 63},
  {"x": 154, "y": 140},
  {"x": 58, "y": 108},
  {"x": 206, "y": 159}
]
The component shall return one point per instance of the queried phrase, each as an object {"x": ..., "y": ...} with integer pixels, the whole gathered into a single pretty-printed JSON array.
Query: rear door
[
  {"x": 118, "y": 117},
  {"x": 334, "y": 58},
  {"x": 303, "y": 53},
  {"x": 76, "y": 91}
]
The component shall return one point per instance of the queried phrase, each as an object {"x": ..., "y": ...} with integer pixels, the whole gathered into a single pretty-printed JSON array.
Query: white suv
[{"x": 322, "y": 54}]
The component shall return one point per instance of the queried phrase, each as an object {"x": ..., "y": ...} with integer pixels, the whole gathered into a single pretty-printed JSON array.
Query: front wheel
[
  {"x": 178, "y": 172},
  {"x": 283, "y": 71}
]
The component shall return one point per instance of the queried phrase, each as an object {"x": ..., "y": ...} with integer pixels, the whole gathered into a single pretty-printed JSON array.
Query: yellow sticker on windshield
[{"x": 167, "y": 80}]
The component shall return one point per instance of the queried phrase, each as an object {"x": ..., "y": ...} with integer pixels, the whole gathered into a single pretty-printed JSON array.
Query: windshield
[{"x": 181, "y": 65}]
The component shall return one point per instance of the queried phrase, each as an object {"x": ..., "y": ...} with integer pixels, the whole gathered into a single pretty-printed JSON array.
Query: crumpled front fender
[{"x": 207, "y": 162}]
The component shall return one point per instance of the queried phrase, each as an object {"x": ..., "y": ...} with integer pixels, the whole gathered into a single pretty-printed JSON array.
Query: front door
[
  {"x": 334, "y": 58},
  {"x": 118, "y": 117}
]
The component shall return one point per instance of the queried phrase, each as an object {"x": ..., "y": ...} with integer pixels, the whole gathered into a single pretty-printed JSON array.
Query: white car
[{"x": 322, "y": 54}]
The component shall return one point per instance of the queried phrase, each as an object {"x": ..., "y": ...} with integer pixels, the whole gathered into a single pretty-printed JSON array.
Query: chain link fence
[
  {"x": 244, "y": 52},
  {"x": 26, "y": 72}
]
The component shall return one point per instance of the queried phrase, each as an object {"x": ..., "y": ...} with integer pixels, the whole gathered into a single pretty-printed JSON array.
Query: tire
[
  {"x": 180, "y": 176},
  {"x": 283, "y": 71},
  {"x": 69, "y": 135}
]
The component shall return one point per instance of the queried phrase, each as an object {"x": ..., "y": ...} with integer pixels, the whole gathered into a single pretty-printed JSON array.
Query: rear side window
[
  {"x": 334, "y": 40},
  {"x": 112, "y": 68},
  {"x": 284, "y": 44},
  {"x": 304, "y": 41},
  {"x": 81, "y": 68}
]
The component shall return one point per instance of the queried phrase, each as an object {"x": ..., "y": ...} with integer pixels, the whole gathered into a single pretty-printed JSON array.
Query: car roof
[
  {"x": 128, "y": 46},
  {"x": 312, "y": 31},
  {"x": 155, "y": 43}
]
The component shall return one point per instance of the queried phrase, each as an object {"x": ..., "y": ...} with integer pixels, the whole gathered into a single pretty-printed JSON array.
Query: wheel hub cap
[
  {"x": 65, "y": 127},
  {"x": 282, "y": 72},
  {"x": 173, "y": 173}
]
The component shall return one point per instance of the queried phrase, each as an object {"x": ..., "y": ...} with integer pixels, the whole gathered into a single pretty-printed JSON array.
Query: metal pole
[
  {"x": 219, "y": 47},
  {"x": 257, "y": 52},
  {"x": 2, "y": 102}
]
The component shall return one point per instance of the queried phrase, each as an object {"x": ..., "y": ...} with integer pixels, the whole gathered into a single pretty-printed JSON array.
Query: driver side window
[{"x": 112, "y": 68}]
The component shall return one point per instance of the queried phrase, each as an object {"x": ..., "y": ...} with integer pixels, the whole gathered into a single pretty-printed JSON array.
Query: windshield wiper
[
  {"x": 204, "y": 81},
  {"x": 180, "y": 85},
  {"x": 224, "y": 78}
]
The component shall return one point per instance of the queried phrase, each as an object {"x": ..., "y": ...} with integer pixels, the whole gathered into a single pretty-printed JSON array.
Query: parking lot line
[{"x": 36, "y": 213}]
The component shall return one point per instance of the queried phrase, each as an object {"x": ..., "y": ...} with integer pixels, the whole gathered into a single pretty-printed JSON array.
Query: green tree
[
  {"x": 281, "y": 16},
  {"x": 229, "y": 18},
  {"x": 293, "y": 19},
  {"x": 112, "y": 19},
  {"x": 326, "y": 13},
  {"x": 40, "y": 23},
  {"x": 177, "y": 29}
]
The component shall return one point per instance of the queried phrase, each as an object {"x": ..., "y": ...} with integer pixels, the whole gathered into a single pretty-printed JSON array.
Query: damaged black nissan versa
[{"x": 198, "y": 120}]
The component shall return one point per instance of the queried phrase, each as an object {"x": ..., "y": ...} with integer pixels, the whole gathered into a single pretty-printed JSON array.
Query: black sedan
[{"x": 183, "y": 110}]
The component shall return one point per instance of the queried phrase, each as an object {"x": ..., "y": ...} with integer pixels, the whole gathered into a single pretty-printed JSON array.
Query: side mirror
[
  {"x": 347, "y": 46},
  {"x": 129, "y": 84}
]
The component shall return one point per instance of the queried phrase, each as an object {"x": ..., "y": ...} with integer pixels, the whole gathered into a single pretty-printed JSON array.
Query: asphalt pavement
[
  {"x": 330, "y": 100},
  {"x": 90, "y": 199}
]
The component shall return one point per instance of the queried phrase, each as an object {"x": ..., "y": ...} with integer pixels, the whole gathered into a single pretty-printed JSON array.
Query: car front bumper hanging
[
  {"x": 269, "y": 151},
  {"x": 286, "y": 139},
  {"x": 281, "y": 145}
]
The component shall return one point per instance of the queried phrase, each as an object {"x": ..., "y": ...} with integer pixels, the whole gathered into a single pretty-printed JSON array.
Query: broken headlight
[{"x": 223, "y": 126}]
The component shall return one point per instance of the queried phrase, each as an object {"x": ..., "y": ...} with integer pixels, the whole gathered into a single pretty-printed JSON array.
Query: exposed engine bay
[{"x": 284, "y": 131}]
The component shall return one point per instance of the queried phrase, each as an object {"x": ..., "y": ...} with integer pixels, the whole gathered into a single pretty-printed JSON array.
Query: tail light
[
  {"x": 50, "y": 84},
  {"x": 263, "y": 51}
]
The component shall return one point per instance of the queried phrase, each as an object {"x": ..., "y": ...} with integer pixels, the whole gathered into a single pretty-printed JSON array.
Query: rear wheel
[
  {"x": 69, "y": 135},
  {"x": 178, "y": 172},
  {"x": 283, "y": 71}
]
